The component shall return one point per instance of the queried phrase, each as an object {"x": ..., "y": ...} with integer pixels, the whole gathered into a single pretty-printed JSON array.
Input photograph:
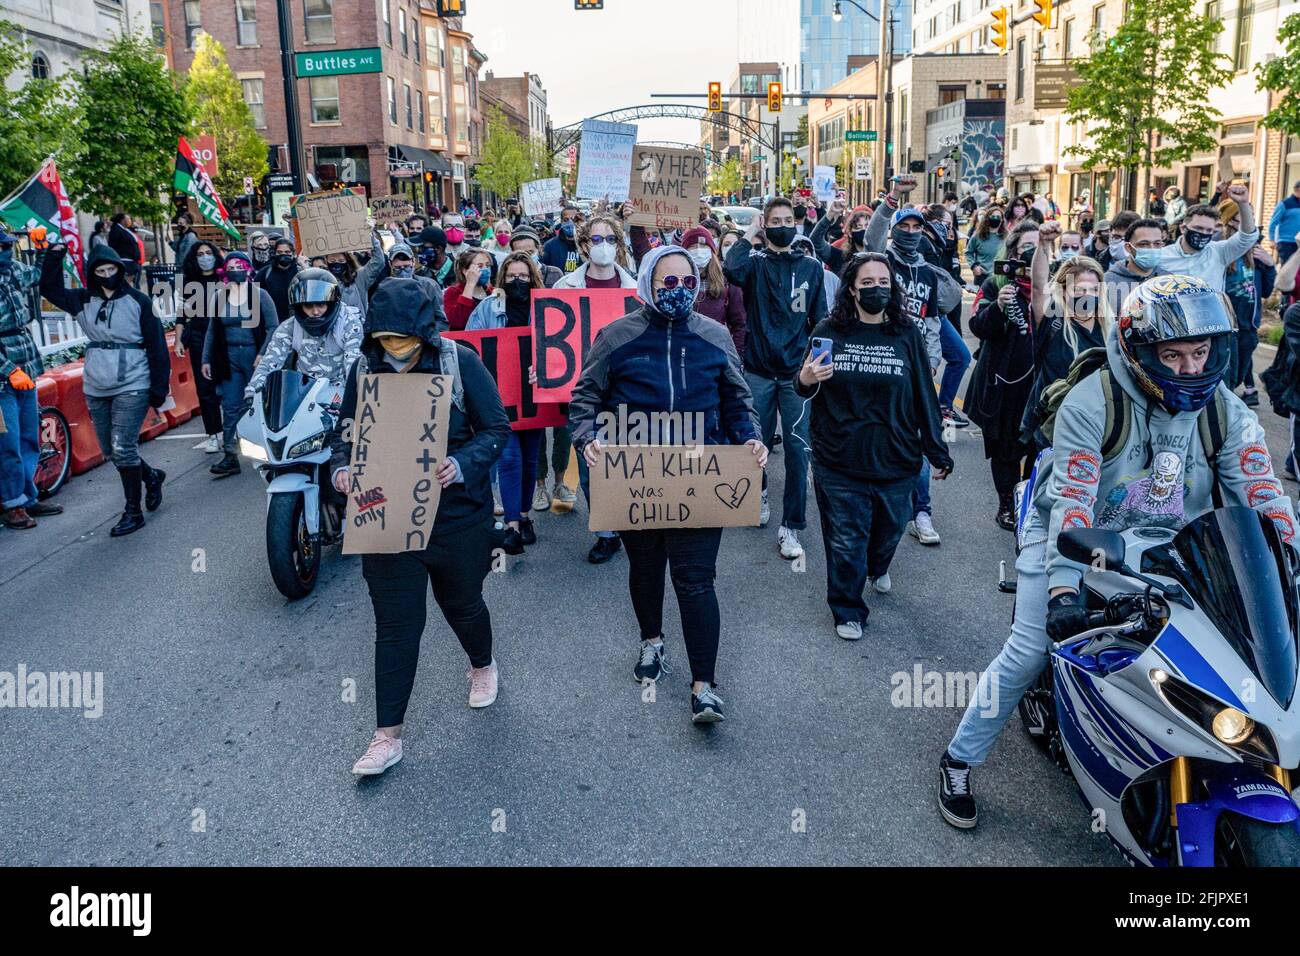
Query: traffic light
[
  {"x": 428, "y": 177},
  {"x": 1000, "y": 39},
  {"x": 1044, "y": 13},
  {"x": 451, "y": 8},
  {"x": 715, "y": 97},
  {"x": 774, "y": 97},
  {"x": 589, "y": 4}
]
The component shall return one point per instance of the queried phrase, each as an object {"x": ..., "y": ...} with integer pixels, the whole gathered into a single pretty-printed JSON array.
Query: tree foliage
[
  {"x": 1143, "y": 94},
  {"x": 216, "y": 104},
  {"x": 728, "y": 178},
  {"x": 37, "y": 119},
  {"x": 133, "y": 112},
  {"x": 507, "y": 160},
  {"x": 1282, "y": 76}
]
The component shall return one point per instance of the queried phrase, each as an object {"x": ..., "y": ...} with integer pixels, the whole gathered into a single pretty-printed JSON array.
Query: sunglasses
[
  {"x": 687, "y": 282},
  {"x": 597, "y": 240}
]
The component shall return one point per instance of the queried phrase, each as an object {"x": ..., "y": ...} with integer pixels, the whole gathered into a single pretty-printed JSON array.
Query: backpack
[{"x": 1118, "y": 421}]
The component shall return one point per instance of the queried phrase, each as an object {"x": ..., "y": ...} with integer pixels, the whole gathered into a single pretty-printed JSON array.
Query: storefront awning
[{"x": 433, "y": 162}]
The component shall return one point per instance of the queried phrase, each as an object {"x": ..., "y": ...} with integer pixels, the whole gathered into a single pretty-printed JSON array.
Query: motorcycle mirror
[{"x": 1087, "y": 545}]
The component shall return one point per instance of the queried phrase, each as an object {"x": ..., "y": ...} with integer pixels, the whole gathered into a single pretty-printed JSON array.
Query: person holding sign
[
  {"x": 874, "y": 418},
  {"x": 356, "y": 281},
  {"x": 402, "y": 337},
  {"x": 667, "y": 358}
]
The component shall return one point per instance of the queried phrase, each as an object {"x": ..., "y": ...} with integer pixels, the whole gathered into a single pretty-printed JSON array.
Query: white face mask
[
  {"x": 700, "y": 256},
  {"x": 603, "y": 254}
]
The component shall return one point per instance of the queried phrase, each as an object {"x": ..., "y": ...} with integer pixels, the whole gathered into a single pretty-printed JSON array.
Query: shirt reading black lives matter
[{"x": 878, "y": 414}]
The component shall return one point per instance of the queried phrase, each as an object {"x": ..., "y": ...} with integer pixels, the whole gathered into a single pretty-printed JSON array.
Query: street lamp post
[{"x": 884, "y": 77}]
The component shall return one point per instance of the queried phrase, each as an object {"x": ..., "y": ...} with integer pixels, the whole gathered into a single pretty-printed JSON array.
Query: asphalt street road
[{"x": 226, "y": 739}]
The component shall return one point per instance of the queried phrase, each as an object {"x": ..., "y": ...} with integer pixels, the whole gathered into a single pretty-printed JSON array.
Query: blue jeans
[
  {"x": 584, "y": 481},
  {"x": 20, "y": 446},
  {"x": 117, "y": 421},
  {"x": 862, "y": 523},
  {"x": 769, "y": 395},
  {"x": 1021, "y": 660},
  {"x": 921, "y": 491},
  {"x": 517, "y": 472},
  {"x": 956, "y": 359},
  {"x": 232, "y": 393}
]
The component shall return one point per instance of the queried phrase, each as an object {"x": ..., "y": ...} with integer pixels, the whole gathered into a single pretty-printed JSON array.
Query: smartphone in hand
[{"x": 821, "y": 350}]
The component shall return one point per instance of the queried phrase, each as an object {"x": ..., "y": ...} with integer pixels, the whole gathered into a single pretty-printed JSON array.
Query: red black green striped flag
[
  {"x": 43, "y": 202},
  {"x": 192, "y": 179}
]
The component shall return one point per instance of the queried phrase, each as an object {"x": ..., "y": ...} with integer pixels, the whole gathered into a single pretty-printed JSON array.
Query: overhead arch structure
[
  {"x": 762, "y": 133},
  {"x": 711, "y": 159}
]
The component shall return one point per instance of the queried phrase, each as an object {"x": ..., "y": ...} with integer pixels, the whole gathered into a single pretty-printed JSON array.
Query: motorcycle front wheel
[
  {"x": 1242, "y": 842},
  {"x": 292, "y": 554}
]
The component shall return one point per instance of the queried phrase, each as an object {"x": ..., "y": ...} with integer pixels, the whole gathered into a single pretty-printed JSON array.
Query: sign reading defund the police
[
  {"x": 399, "y": 438},
  {"x": 635, "y": 487}
]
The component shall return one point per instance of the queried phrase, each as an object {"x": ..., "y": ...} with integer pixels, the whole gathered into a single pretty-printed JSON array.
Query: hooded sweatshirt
[
  {"x": 914, "y": 274},
  {"x": 785, "y": 298},
  {"x": 1160, "y": 478}
]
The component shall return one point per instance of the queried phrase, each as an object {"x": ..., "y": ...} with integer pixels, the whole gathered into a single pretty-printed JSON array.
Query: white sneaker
[
  {"x": 498, "y": 508},
  {"x": 764, "y": 512},
  {"x": 482, "y": 685},
  {"x": 882, "y": 584},
  {"x": 922, "y": 529},
  {"x": 788, "y": 541},
  {"x": 541, "y": 499},
  {"x": 849, "y": 631},
  {"x": 381, "y": 754},
  {"x": 213, "y": 445},
  {"x": 565, "y": 495}
]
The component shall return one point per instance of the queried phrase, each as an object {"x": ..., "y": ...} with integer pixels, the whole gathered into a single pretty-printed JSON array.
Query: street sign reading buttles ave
[{"x": 339, "y": 62}]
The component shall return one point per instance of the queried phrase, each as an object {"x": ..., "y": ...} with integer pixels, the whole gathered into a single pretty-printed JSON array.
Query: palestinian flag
[
  {"x": 193, "y": 180},
  {"x": 43, "y": 202}
]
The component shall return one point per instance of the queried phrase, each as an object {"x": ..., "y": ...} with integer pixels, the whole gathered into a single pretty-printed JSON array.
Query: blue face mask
[
  {"x": 403, "y": 272},
  {"x": 674, "y": 303},
  {"x": 567, "y": 229},
  {"x": 6, "y": 256}
]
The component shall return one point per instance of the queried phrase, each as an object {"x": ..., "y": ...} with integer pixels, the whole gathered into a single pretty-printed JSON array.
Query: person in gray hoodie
[{"x": 1168, "y": 353}]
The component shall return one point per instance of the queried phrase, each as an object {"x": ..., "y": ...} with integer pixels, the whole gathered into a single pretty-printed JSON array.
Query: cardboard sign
[
  {"x": 399, "y": 438},
  {"x": 666, "y": 187},
  {"x": 507, "y": 354},
  {"x": 823, "y": 183},
  {"x": 390, "y": 209},
  {"x": 636, "y": 487},
  {"x": 565, "y": 323},
  {"x": 605, "y": 163},
  {"x": 542, "y": 196},
  {"x": 329, "y": 222}
]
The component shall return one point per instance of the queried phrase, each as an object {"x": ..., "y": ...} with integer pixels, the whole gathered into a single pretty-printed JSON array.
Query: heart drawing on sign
[{"x": 732, "y": 495}]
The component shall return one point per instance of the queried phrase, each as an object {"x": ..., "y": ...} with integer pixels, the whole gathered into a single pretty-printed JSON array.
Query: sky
[{"x": 592, "y": 61}]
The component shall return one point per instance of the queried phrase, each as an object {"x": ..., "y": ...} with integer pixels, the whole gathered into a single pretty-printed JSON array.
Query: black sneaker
[
  {"x": 955, "y": 418},
  {"x": 229, "y": 465},
  {"x": 651, "y": 664},
  {"x": 1006, "y": 516},
  {"x": 1251, "y": 398},
  {"x": 604, "y": 549},
  {"x": 513, "y": 543},
  {"x": 526, "y": 532},
  {"x": 706, "y": 707},
  {"x": 956, "y": 802},
  {"x": 130, "y": 521},
  {"x": 153, "y": 482},
  {"x": 43, "y": 509}
]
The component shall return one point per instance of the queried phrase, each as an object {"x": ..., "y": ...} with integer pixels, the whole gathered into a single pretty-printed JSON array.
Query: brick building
[{"x": 526, "y": 95}]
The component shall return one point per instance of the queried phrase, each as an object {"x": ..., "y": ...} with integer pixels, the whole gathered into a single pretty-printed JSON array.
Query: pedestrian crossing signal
[
  {"x": 1044, "y": 13},
  {"x": 589, "y": 4},
  {"x": 715, "y": 97},
  {"x": 774, "y": 97},
  {"x": 1000, "y": 28}
]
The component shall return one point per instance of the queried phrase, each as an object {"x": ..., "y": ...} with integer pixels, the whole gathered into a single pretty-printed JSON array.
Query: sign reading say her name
[
  {"x": 324, "y": 223},
  {"x": 635, "y": 487},
  {"x": 565, "y": 323},
  {"x": 507, "y": 355},
  {"x": 666, "y": 187},
  {"x": 399, "y": 438}
]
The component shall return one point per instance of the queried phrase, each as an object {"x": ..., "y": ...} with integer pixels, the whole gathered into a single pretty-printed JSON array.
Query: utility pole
[{"x": 292, "y": 118}]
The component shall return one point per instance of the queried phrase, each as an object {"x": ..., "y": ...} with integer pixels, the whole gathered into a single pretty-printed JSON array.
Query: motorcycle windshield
[
  {"x": 283, "y": 392},
  {"x": 1236, "y": 567}
]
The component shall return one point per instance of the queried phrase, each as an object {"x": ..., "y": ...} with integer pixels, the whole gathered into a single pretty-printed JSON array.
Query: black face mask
[
  {"x": 995, "y": 222},
  {"x": 907, "y": 242},
  {"x": 261, "y": 256},
  {"x": 517, "y": 290},
  {"x": 284, "y": 260},
  {"x": 1198, "y": 240},
  {"x": 472, "y": 241},
  {"x": 858, "y": 236},
  {"x": 800, "y": 214},
  {"x": 873, "y": 299},
  {"x": 339, "y": 269},
  {"x": 112, "y": 283},
  {"x": 780, "y": 236}
]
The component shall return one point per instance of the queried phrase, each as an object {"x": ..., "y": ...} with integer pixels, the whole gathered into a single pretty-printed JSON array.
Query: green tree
[
  {"x": 728, "y": 178},
  {"x": 36, "y": 119},
  {"x": 1282, "y": 76},
  {"x": 215, "y": 101},
  {"x": 1144, "y": 92},
  {"x": 801, "y": 137},
  {"x": 134, "y": 112},
  {"x": 507, "y": 158}
]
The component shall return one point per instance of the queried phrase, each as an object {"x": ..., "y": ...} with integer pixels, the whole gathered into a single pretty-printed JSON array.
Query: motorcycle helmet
[
  {"x": 1176, "y": 308},
  {"x": 312, "y": 286}
]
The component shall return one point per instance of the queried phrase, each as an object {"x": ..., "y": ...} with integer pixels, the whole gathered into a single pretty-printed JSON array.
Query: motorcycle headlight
[
  {"x": 312, "y": 445},
  {"x": 251, "y": 451},
  {"x": 1232, "y": 726}
]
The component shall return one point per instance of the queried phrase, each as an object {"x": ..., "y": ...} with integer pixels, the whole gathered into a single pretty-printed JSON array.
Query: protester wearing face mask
[
  {"x": 1143, "y": 241},
  {"x": 430, "y": 247},
  {"x": 453, "y": 228},
  {"x": 526, "y": 240},
  {"x": 561, "y": 250},
  {"x": 1175, "y": 209},
  {"x": 1114, "y": 248},
  {"x": 831, "y": 228},
  {"x": 235, "y": 336},
  {"x": 945, "y": 263},
  {"x": 720, "y": 300},
  {"x": 259, "y": 250},
  {"x": 1248, "y": 282},
  {"x": 725, "y": 242},
  {"x": 357, "y": 283},
  {"x": 322, "y": 331},
  {"x": 402, "y": 338},
  {"x": 625, "y": 369},
  {"x": 1099, "y": 242},
  {"x": 473, "y": 233},
  {"x": 200, "y": 293},
  {"x": 274, "y": 277},
  {"x": 605, "y": 264},
  {"x": 126, "y": 372},
  {"x": 1197, "y": 253},
  {"x": 473, "y": 285},
  {"x": 874, "y": 417},
  {"x": 1069, "y": 247},
  {"x": 402, "y": 265},
  {"x": 983, "y": 247},
  {"x": 501, "y": 232}
]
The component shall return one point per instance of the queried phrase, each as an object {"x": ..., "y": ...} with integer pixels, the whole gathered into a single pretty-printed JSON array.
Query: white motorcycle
[{"x": 286, "y": 432}]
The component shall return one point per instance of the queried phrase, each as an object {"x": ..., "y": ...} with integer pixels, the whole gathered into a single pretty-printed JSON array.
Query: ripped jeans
[{"x": 117, "y": 420}]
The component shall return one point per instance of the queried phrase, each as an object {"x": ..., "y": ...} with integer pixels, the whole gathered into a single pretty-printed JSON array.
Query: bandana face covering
[
  {"x": 675, "y": 303},
  {"x": 400, "y": 347}
]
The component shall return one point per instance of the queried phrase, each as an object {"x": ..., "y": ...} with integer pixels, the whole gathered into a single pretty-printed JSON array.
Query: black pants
[
  {"x": 455, "y": 565},
  {"x": 1008, "y": 472},
  {"x": 691, "y": 555},
  {"x": 209, "y": 398}
]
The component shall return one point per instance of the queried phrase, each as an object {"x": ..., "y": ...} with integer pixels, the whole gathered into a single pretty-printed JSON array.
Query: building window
[
  {"x": 433, "y": 46},
  {"x": 1020, "y": 70},
  {"x": 419, "y": 99},
  {"x": 392, "y": 100},
  {"x": 437, "y": 126},
  {"x": 320, "y": 20},
  {"x": 156, "y": 20},
  {"x": 1067, "y": 39},
  {"x": 1212, "y": 13},
  {"x": 246, "y": 22},
  {"x": 40, "y": 67},
  {"x": 995, "y": 91},
  {"x": 193, "y": 24},
  {"x": 388, "y": 24},
  {"x": 324, "y": 92},
  {"x": 410, "y": 108},
  {"x": 1241, "y": 55},
  {"x": 950, "y": 94},
  {"x": 401, "y": 30},
  {"x": 256, "y": 105},
  {"x": 415, "y": 37},
  {"x": 1098, "y": 25}
]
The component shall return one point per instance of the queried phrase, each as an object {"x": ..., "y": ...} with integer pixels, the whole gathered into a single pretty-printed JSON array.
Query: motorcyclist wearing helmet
[
  {"x": 1168, "y": 352},
  {"x": 325, "y": 333}
]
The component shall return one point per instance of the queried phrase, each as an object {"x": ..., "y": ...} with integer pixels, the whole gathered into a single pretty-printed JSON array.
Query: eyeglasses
[
  {"x": 597, "y": 240},
  {"x": 687, "y": 282},
  {"x": 1150, "y": 244}
]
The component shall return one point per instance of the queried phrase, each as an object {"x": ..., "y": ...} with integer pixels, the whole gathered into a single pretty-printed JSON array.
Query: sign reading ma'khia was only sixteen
[{"x": 339, "y": 62}]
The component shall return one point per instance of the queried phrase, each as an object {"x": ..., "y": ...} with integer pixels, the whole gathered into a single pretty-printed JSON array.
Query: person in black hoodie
[
  {"x": 785, "y": 297},
  {"x": 275, "y": 277},
  {"x": 127, "y": 370},
  {"x": 402, "y": 336},
  {"x": 122, "y": 237},
  {"x": 201, "y": 289}
]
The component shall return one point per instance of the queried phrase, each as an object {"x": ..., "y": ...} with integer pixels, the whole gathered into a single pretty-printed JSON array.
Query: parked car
[{"x": 742, "y": 216}]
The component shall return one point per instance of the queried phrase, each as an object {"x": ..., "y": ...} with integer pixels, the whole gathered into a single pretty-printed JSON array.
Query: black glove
[
  {"x": 1066, "y": 617},
  {"x": 156, "y": 400}
]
